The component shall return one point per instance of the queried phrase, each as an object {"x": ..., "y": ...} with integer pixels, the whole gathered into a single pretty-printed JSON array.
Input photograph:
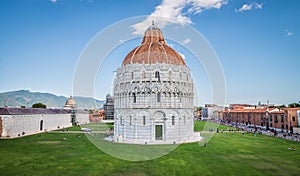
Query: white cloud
[
  {"x": 245, "y": 7},
  {"x": 53, "y": 1},
  {"x": 176, "y": 12},
  {"x": 121, "y": 41},
  {"x": 289, "y": 33},
  {"x": 182, "y": 55},
  {"x": 251, "y": 6},
  {"x": 89, "y": 1},
  {"x": 171, "y": 45},
  {"x": 186, "y": 41}
]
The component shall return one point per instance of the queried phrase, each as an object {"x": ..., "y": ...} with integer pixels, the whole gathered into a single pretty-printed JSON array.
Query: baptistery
[{"x": 153, "y": 94}]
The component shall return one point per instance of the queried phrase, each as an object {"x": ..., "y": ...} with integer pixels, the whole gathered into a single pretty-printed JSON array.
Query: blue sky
[{"x": 257, "y": 43}]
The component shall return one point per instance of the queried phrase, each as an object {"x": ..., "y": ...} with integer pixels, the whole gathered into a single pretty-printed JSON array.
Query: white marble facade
[
  {"x": 17, "y": 122},
  {"x": 27, "y": 124},
  {"x": 153, "y": 100}
]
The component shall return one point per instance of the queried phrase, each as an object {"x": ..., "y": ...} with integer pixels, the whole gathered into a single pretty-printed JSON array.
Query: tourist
[{"x": 291, "y": 148}]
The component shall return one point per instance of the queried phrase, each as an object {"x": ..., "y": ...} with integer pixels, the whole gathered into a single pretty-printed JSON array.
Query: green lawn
[
  {"x": 204, "y": 125},
  {"x": 225, "y": 154}
]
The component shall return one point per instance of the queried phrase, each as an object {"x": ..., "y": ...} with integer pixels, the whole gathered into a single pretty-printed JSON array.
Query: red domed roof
[{"x": 153, "y": 50}]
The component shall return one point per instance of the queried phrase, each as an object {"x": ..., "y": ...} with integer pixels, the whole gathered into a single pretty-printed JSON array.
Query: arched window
[
  {"x": 158, "y": 97},
  {"x": 144, "y": 120},
  {"x": 157, "y": 75},
  {"x": 173, "y": 120},
  {"x": 130, "y": 120},
  {"x": 170, "y": 75},
  {"x": 131, "y": 75},
  {"x": 184, "y": 119},
  {"x": 122, "y": 120},
  {"x": 41, "y": 125},
  {"x": 143, "y": 75},
  {"x": 134, "y": 98}
]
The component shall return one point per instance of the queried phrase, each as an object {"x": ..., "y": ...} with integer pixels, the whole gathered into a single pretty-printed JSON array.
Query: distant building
[
  {"x": 70, "y": 104},
  {"x": 298, "y": 113},
  {"x": 97, "y": 116},
  {"x": 297, "y": 129},
  {"x": 102, "y": 114},
  {"x": 109, "y": 107},
  {"x": 268, "y": 118},
  {"x": 293, "y": 118},
  {"x": 197, "y": 112},
  {"x": 209, "y": 109}
]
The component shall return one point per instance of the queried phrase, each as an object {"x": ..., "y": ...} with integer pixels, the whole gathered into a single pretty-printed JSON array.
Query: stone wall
[
  {"x": 21, "y": 125},
  {"x": 82, "y": 118},
  {"x": 0, "y": 126}
]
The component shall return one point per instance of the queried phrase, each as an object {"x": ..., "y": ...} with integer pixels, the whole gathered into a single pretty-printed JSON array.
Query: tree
[
  {"x": 278, "y": 106},
  {"x": 294, "y": 105},
  {"x": 39, "y": 105},
  {"x": 199, "y": 108},
  {"x": 282, "y": 106}
]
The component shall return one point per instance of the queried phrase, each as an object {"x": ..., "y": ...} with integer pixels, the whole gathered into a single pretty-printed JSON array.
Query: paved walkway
[
  {"x": 195, "y": 137},
  {"x": 281, "y": 135},
  {"x": 80, "y": 132}
]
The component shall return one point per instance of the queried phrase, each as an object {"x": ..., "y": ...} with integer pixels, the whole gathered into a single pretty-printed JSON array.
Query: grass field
[
  {"x": 204, "y": 125},
  {"x": 225, "y": 154}
]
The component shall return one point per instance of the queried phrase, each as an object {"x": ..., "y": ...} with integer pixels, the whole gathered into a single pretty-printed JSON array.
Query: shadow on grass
[{"x": 130, "y": 152}]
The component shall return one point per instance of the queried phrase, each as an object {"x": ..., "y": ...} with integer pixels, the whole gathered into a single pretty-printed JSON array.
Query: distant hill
[{"x": 22, "y": 97}]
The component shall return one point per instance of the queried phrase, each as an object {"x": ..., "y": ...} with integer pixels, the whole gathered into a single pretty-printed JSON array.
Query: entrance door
[
  {"x": 41, "y": 125},
  {"x": 158, "y": 132},
  {"x": 0, "y": 127},
  {"x": 73, "y": 119}
]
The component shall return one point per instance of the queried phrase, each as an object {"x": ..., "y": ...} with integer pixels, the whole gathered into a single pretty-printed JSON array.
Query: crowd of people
[{"x": 256, "y": 130}]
